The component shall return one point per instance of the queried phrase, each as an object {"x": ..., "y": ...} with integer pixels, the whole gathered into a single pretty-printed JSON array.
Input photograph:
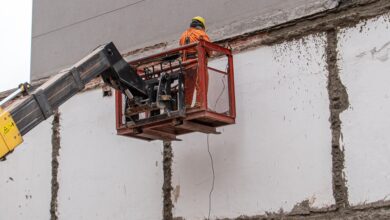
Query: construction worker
[{"x": 196, "y": 32}]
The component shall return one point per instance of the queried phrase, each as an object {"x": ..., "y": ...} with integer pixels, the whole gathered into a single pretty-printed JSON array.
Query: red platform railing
[{"x": 208, "y": 59}]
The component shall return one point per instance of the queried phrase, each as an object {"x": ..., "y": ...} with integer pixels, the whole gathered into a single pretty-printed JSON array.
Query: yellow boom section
[{"x": 9, "y": 133}]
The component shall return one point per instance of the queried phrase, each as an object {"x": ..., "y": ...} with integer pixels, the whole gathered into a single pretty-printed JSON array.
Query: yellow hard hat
[{"x": 200, "y": 19}]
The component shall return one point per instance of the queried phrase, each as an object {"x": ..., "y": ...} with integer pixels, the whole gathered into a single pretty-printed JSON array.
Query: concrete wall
[
  {"x": 310, "y": 143},
  {"x": 64, "y": 31}
]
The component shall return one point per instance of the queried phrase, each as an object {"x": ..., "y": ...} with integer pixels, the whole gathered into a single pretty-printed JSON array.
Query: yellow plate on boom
[{"x": 10, "y": 136}]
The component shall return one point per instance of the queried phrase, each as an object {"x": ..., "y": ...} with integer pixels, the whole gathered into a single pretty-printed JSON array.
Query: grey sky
[{"x": 15, "y": 42}]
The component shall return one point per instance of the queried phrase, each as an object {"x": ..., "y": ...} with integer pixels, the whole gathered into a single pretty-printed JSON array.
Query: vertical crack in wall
[
  {"x": 338, "y": 98},
  {"x": 55, "y": 141},
  {"x": 167, "y": 186}
]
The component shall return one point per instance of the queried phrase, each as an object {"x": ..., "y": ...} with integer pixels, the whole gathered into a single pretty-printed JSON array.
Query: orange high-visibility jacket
[{"x": 192, "y": 35}]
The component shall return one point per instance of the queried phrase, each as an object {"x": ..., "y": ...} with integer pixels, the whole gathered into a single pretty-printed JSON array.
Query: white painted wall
[
  {"x": 25, "y": 177},
  {"x": 102, "y": 175},
  {"x": 278, "y": 153},
  {"x": 365, "y": 71}
]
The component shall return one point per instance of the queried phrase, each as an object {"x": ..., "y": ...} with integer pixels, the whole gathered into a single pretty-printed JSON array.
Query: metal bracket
[
  {"x": 181, "y": 106},
  {"x": 76, "y": 76},
  {"x": 43, "y": 103}
]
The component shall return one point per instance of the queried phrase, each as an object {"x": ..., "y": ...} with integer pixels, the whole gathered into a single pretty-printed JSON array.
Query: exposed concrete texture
[
  {"x": 368, "y": 213},
  {"x": 167, "y": 185},
  {"x": 338, "y": 98},
  {"x": 56, "y": 145},
  {"x": 347, "y": 14},
  {"x": 102, "y": 175},
  {"x": 364, "y": 69},
  {"x": 66, "y": 30},
  {"x": 25, "y": 177},
  {"x": 278, "y": 153}
]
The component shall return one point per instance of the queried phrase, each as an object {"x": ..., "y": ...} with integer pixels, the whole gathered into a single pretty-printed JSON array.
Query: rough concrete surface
[
  {"x": 167, "y": 185},
  {"x": 368, "y": 214},
  {"x": 373, "y": 211},
  {"x": 56, "y": 146},
  {"x": 338, "y": 98},
  {"x": 348, "y": 14}
]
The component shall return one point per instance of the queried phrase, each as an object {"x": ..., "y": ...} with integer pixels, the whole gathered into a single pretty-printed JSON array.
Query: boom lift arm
[{"x": 23, "y": 115}]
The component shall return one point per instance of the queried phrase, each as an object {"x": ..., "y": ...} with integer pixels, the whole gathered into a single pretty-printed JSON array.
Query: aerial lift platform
[
  {"x": 214, "y": 108},
  {"x": 150, "y": 94}
]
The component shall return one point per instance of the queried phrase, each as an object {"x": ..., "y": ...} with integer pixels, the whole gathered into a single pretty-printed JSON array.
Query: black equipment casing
[{"x": 104, "y": 60}]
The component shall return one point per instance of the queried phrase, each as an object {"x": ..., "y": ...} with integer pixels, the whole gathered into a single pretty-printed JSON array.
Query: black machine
[{"x": 164, "y": 93}]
